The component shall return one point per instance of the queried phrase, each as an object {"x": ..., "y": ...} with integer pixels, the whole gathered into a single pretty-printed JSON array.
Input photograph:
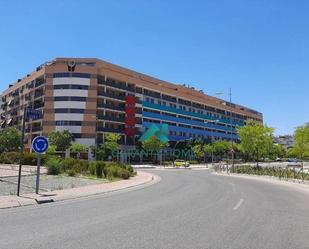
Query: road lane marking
[{"x": 238, "y": 204}]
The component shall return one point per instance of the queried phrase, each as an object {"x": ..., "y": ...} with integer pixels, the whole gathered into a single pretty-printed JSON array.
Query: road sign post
[
  {"x": 40, "y": 146},
  {"x": 32, "y": 114}
]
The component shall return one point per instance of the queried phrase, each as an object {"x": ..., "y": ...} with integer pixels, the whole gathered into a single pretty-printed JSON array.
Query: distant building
[{"x": 286, "y": 140}]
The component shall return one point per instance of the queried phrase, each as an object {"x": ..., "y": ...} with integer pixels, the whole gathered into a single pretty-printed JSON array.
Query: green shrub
[
  {"x": 100, "y": 169},
  {"x": 10, "y": 157},
  {"x": 68, "y": 164},
  {"x": 30, "y": 159},
  {"x": 82, "y": 165},
  {"x": 123, "y": 173},
  {"x": 54, "y": 166},
  {"x": 78, "y": 165},
  {"x": 71, "y": 172},
  {"x": 92, "y": 168},
  {"x": 117, "y": 171}
]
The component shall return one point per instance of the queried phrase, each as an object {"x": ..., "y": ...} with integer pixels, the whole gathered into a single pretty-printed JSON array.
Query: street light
[{"x": 231, "y": 127}]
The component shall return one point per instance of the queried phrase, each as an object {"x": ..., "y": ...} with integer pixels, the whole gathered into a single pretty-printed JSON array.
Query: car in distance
[{"x": 181, "y": 163}]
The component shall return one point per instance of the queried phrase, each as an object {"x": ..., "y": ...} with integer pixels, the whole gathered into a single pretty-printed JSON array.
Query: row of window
[
  {"x": 192, "y": 135},
  {"x": 69, "y": 110},
  {"x": 201, "y": 112},
  {"x": 220, "y": 113},
  {"x": 71, "y": 86},
  {"x": 76, "y": 75},
  {"x": 68, "y": 123},
  {"x": 70, "y": 98},
  {"x": 181, "y": 125},
  {"x": 182, "y": 117}
]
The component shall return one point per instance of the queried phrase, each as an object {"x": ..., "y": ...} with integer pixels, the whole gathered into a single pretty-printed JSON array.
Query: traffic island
[{"x": 142, "y": 178}]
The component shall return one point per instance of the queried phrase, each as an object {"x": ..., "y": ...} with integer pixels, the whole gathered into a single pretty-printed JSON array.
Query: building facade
[
  {"x": 90, "y": 97},
  {"x": 287, "y": 141}
]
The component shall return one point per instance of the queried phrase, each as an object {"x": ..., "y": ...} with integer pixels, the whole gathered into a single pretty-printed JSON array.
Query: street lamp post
[{"x": 231, "y": 126}]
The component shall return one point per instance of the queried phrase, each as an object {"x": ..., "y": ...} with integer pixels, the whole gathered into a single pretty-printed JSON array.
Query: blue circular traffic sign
[{"x": 40, "y": 144}]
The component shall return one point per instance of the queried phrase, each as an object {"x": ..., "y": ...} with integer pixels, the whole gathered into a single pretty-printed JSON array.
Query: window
[
  {"x": 80, "y": 87},
  {"x": 68, "y": 123},
  {"x": 73, "y": 86},
  {"x": 77, "y": 75},
  {"x": 73, "y": 98},
  {"x": 61, "y": 98},
  {"x": 67, "y": 110},
  {"x": 82, "y": 99},
  {"x": 61, "y": 110},
  {"x": 77, "y": 135},
  {"x": 61, "y": 87}
]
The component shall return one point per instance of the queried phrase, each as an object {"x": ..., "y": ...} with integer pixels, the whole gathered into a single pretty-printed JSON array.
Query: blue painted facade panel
[
  {"x": 185, "y": 121},
  {"x": 190, "y": 130},
  {"x": 192, "y": 114}
]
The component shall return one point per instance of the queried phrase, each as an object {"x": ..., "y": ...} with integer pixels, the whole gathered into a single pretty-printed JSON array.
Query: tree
[
  {"x": 52, "y": 149},
  {"x": 109, "y": 148},
  {"x": 256, "y": 140},
  {"x": 77, "y": 148},
  {"x": 221, "y": 147},
  {"x": 301, "y": 147},
  {"x": 10, "y": 139},
  {"x": 61, "y": 139},
  {"x": 277, "y": 150},
  {"x": 202, "y": 150},
  {"x": 153, "y": 144}
]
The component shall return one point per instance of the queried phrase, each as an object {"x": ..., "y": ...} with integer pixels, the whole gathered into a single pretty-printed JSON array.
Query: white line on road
[{"x": 238, "y": 204}]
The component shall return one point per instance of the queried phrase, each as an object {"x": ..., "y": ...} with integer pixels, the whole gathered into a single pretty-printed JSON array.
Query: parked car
[
  {"x": 293, "y": 160},
  {"x": 181, "y": 163}
]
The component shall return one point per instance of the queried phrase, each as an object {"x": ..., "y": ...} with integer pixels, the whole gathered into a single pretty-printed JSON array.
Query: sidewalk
[
  {"x": 65, "y": 194},
  {"x": 296, "y": 184}
]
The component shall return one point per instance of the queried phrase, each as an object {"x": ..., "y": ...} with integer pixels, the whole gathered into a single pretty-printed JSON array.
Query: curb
[{"x": 56, "y": 196}]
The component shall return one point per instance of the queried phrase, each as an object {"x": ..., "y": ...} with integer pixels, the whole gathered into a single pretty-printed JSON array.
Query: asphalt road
[{"x": 186, "y": 209}]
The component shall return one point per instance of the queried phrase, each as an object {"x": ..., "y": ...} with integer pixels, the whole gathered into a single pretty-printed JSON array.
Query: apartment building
[{"x": 90, "y": 97}]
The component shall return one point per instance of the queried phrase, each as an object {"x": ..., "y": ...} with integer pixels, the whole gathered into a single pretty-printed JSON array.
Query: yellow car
[{"x": 181, "y": 163}]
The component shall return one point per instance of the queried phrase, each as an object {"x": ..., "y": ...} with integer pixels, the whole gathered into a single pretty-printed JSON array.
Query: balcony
[
  {"x": 113, "y": 96},
  {"x": 38, "y": 94},
  {"x": 111, "y": 118},
  {"x": 106, "y": 129},
  {"x": 39, "y": 83},
  {"x": 36, "y": 128},
  {"x": 38, "y": 105},
  {"x": 112, "y": 107},
  {"x": 116, "y": 84}
]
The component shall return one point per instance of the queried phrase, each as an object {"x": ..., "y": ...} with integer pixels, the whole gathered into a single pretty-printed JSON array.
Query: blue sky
[{"x": 260, "y": 48}]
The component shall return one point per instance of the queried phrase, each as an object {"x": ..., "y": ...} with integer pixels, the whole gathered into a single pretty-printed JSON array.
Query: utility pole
[
  {"x": 232, "y": 140},
  {"x": 21, "y": 157}
]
